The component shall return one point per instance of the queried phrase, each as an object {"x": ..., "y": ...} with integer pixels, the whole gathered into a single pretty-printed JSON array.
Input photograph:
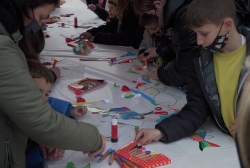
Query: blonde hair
[
  {"x": 244, "y": 122},
  {"x": 122, "y": 6}
]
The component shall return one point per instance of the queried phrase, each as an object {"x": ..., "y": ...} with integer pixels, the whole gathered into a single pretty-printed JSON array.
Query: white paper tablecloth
[{"x": 56, "y": 48}]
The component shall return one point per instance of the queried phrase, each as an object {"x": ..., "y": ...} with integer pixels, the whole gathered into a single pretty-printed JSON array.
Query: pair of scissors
[{"x": 159, "y": 110}]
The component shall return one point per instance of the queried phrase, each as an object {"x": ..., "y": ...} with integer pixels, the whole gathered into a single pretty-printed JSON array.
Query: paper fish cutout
[{"x": 199, "y": 137}]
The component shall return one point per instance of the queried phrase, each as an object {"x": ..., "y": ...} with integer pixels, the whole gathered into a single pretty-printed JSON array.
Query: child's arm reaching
[
  {"x": 60, "y": 106},
  {"x": 78, "y": 111}
]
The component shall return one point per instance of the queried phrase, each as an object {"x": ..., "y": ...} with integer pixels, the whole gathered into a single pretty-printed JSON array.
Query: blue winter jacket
[{"x": 34, "y": 158}]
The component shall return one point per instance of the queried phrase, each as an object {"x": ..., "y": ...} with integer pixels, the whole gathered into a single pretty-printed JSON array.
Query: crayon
[
  {"x": 105, "y": 155},
  {"x": 127, "y": 162},
  {"x": 112, "y": 157},
  {"x": 136, "y": 130},
  {"x": 122, "y": 165},
  {"x": 54, "y": 64}
]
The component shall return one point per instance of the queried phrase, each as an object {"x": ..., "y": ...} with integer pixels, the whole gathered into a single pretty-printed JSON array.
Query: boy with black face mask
[{"x": 215, "y": 79}]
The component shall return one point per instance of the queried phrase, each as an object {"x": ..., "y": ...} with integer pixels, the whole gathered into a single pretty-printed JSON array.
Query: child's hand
[
  {"x": 86, "y": 35},
  {"x": 53, "y": 154},
  {"x": 146, "y": 136},
  {"x": 141, "y": 56},
  {"x": 92, "y": 7},
  {"x": 56, "y": 153},
  {"x": 151, "y": 53},
  {"x": 91, "y": 40},
  {"x": 78, "y": 111},
  {"x": 233, "y": 128}
]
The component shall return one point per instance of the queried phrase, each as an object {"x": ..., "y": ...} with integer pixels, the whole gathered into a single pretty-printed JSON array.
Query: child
[
  {"x": 123, "y": 31},
  {"x": 102, "y": 13},
  {"x": 156, "y": 35},
  {"x": 214, "y": 79},
  {"x": 44, "y": 81}
]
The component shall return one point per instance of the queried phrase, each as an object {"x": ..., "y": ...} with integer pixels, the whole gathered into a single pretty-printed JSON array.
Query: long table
[{"x": 183, "y": 153}]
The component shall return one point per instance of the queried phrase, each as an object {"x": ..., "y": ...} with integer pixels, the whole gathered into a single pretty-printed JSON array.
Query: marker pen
[{"x": 114, "y": 130}]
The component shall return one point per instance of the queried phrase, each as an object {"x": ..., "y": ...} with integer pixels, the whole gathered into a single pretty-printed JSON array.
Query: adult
[
  {"x": 23, "y": 111},
  {"x": 172, "y": 13}
]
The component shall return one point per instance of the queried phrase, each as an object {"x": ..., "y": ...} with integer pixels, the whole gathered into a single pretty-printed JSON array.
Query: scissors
[{"x": 159, "y": 110}]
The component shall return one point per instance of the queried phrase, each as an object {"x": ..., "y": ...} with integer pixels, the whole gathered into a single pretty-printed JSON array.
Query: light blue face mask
[{"x": 32, "y": 28}]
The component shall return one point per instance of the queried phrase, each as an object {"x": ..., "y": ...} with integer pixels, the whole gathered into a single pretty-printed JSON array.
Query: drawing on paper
[
  {"x": 123, "y": 113},
  {"x": 200, "y": 137},
  {"x": 208, "y": 138},
  {"x": 69, "y": 72},
  {"x": 165, "y": 96}
]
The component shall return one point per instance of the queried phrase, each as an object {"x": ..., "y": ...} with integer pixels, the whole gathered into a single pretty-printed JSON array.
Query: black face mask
[{"x": 32, "y": 28}]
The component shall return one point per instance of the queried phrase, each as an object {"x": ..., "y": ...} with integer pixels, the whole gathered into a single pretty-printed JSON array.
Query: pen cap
[{"x": 114, "y": 121}]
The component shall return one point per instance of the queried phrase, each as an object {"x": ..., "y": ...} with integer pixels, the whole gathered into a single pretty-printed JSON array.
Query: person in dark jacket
[
  {"x": 97, "y": 2},
  {"x": 173, "y": 14},
  {"x": 102, "y": 13},
  {"x": 215, "y": 79},
  {"x": 123, "y": 31}
]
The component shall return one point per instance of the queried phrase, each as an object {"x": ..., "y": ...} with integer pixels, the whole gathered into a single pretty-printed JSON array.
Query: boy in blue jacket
[{"x": 35, "y": 154}]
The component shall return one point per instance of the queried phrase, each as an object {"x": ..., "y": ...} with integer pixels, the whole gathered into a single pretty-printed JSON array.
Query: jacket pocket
[{"x": 7, "y": 155}]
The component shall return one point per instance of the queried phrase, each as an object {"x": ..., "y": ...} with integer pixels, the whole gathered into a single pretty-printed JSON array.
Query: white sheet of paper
[{"x": 72, "y": 72}]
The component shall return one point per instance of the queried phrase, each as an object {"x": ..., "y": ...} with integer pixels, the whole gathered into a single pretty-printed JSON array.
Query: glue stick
[
  {"x": 145, "y": 61},
  {"x": 75, "y": 22},
  {"x": 114, "y": 130}
]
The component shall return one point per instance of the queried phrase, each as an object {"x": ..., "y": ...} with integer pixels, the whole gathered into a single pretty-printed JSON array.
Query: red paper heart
[
  {"x": 80, "y": 100},
  {"x": 125, "y": 88}
]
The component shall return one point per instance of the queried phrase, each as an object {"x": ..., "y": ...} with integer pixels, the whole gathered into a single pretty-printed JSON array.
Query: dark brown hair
[
  {"x": 147, "y": 19},
  {"x": 201, "y": 12},
  {"x": 38, "y": 70},
  {"x": 32, "y": 46},
  {"x": 122, "y": 6},
  {"x": 141, "y": 6},
  {"x": 113, "y": 2}
]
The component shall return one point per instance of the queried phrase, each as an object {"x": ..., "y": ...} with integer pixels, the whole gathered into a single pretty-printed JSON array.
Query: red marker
[
  {"x": 114, "y": 130},
  {"x": 54, "y": 64}
]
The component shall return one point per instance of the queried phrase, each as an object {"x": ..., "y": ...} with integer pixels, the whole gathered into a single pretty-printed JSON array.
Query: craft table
[{"x": 183, "y": 153}]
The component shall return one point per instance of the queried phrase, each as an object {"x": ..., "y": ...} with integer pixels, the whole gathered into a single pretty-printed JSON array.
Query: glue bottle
[
  {"x": 114, "y": 130},
  {"x": 145, "y": 61}
]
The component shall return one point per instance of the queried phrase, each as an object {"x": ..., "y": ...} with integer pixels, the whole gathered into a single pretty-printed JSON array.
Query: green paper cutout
[
  {"x": 70, "y": 165},
  {"x": 131, "y": 71},
  {"x": 157, "y": 84},
  {"x": 155, "y": 104},
  {"x": 87, "y": 166},
  {"x": 129, "y": 96}
]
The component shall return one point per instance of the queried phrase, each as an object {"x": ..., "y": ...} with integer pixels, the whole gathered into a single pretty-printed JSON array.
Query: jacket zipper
[
  {"x": 7, "y": 153},
  {"x": 200, "y": 77}
]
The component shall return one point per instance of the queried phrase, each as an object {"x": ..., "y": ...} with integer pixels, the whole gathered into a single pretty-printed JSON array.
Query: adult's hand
[
  {"x": 95, "y": 153},
  {"x": 151, "y": 53}
]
